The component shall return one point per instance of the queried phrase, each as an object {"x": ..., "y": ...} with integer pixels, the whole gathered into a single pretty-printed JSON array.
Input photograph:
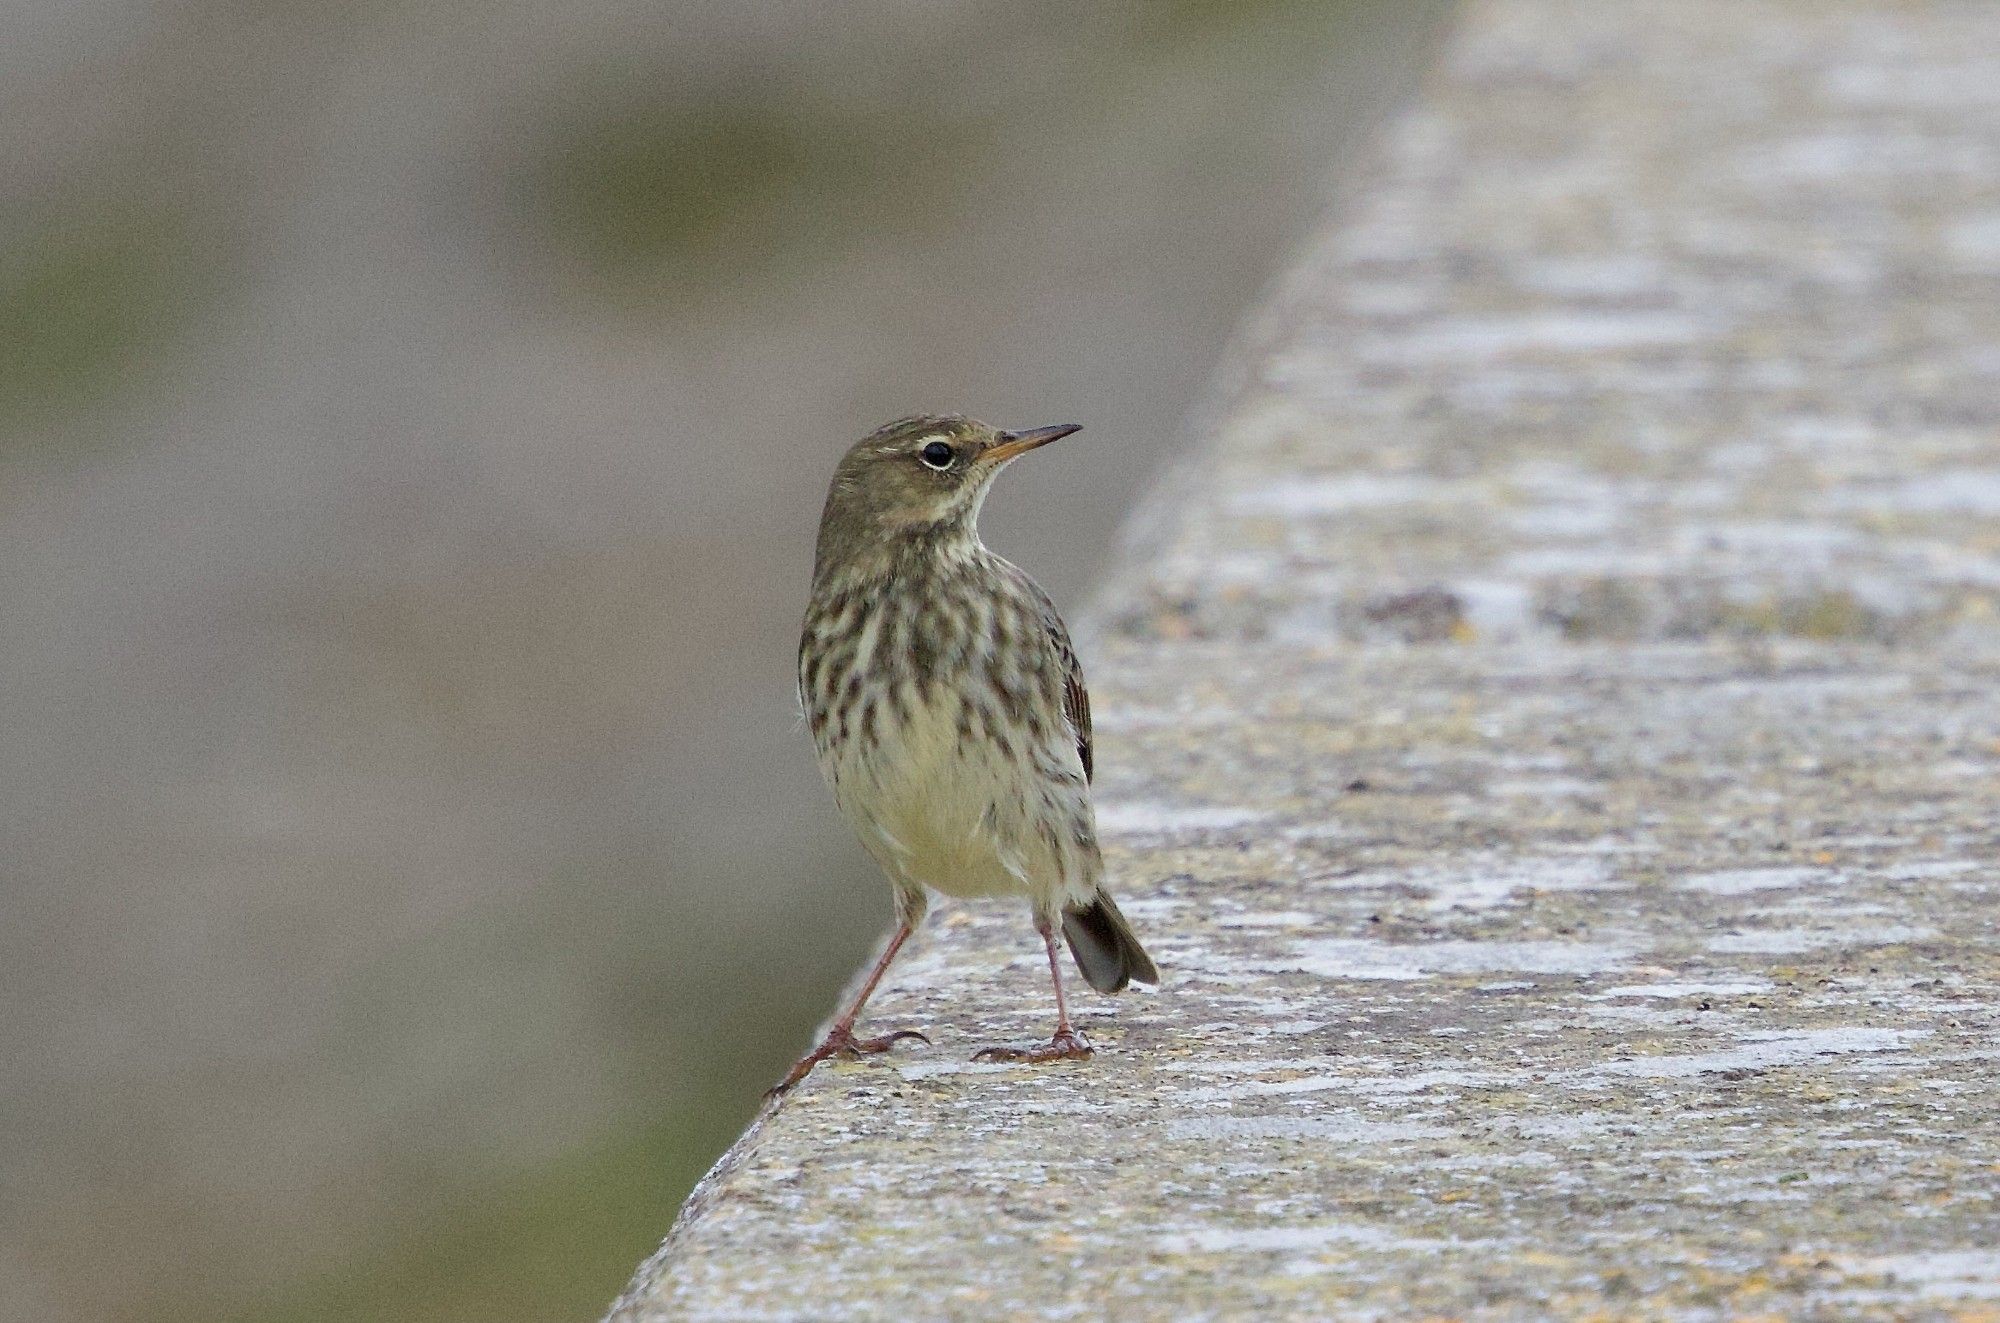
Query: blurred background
[{"x": 413, "y": 424}]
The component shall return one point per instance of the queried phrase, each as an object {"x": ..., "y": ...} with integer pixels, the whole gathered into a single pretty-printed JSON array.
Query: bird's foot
[
  {"x": 1067, "y": 1045},
  {"x": 841, "y": 1043}
]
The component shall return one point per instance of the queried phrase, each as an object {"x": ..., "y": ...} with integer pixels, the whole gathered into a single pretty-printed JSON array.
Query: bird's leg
[
  {"x": 1068, "y": 1043},
  {"x": 840, "y": 1038}
]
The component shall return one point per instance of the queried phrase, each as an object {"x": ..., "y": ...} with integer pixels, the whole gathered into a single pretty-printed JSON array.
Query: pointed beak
[{"x": 1011, "y": 444}]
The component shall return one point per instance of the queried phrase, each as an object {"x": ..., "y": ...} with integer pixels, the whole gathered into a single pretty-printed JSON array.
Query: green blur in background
[{"x": 413, "y": 422}]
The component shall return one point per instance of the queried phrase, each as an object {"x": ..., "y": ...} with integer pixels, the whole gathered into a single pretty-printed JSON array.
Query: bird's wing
[{"x": 1076, "y": 698}]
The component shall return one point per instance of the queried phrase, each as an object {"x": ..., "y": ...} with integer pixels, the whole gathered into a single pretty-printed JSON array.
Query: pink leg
[
  {"x": 1067, "y": 1044},
  {"x": 840, "y": 1039}
]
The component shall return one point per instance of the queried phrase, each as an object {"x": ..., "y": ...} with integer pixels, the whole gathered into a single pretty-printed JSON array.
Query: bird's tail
[{"x": 1105, "y": 949}]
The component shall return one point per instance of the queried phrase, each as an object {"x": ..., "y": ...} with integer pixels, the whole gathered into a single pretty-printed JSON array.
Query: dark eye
[{"x": 938, "y": 455}]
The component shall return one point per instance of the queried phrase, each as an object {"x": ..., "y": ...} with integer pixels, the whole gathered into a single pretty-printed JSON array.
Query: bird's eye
[{"x": 938, "y": 455}]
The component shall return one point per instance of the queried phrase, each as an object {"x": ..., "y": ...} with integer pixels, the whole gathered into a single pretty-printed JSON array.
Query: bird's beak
[{"x": 1011, "y": 444}]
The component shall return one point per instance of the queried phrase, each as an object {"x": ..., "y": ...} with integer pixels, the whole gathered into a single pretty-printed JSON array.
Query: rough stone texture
[{"x": 1547, "y": 736}]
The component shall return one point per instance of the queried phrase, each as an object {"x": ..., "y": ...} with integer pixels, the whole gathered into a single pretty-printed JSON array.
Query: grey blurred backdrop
[{"x": 413, "y": 420}]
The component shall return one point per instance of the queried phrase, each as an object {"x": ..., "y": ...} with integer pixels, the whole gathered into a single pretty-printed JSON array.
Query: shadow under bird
[{"x": 949, "y": 713}]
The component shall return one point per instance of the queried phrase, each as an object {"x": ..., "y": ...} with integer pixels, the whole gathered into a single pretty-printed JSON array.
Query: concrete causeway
[{"x": 1548, "y": 734}]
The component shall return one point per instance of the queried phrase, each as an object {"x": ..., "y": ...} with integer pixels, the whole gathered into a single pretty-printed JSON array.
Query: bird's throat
[{"x": 900, "y": 552}]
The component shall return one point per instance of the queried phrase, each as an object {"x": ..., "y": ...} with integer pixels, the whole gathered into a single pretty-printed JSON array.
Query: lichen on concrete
[{"x": 1546, "y": 735}]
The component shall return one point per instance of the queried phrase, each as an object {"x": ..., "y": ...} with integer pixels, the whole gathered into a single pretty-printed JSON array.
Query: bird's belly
[{"x": 954, "y": 813}]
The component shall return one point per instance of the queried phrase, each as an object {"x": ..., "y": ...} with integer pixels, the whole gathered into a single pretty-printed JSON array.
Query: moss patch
[
  {"x": 84, "y": 296},
  {"x": 647, "y": 198}
]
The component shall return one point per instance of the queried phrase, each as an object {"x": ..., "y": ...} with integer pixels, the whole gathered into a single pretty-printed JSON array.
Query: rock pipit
[{"x": 949, "y": 712}]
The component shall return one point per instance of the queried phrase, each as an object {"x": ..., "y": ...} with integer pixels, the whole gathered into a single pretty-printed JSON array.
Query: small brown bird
[{"x": 949, "y": 712}]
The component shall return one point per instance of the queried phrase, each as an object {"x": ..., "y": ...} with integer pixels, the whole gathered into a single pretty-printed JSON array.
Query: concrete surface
[{"x": 1547, "y": 737}]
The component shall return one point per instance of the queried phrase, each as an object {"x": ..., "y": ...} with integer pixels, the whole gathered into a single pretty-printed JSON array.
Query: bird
[{"x": 949, "y": 714}]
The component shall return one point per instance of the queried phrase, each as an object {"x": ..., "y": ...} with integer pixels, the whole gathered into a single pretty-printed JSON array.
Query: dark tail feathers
[{"x": 1105, "y": 949}]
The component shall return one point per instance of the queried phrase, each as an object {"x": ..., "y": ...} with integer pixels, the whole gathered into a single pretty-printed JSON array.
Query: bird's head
[{"x": 926, "y": 475}]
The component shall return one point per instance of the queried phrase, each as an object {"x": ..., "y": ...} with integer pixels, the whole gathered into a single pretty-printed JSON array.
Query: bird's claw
[
  {"x": 840, "y": 1044},
  {"x": 1067, "y": 1045},
  {"x": 855, "y": 1047}
]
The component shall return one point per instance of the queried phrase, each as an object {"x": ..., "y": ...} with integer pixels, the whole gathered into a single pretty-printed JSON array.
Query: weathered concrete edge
[{"x": 1773, "y": 722}]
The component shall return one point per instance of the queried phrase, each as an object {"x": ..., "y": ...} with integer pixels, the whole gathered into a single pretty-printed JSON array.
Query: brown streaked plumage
[{"x": 950, "y": 714}]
